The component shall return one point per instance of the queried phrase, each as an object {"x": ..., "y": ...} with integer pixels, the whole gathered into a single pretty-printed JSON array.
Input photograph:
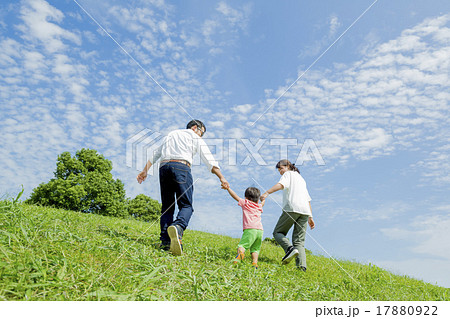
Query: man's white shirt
[{"x": 183, "y": 145}]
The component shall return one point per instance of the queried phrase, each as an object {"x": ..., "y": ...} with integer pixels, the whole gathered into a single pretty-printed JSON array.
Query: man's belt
[{"x": 177, "y": 161}]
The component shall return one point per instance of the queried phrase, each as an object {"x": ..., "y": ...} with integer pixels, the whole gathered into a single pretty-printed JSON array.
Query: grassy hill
[{"x": 52, "y": 254}]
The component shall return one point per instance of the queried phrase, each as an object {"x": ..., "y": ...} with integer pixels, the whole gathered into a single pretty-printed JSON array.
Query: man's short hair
[{"x": 199, "y": 124}]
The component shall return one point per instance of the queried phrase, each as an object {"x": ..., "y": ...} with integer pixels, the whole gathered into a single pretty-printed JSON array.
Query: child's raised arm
[{"x": 233, "y": 194}]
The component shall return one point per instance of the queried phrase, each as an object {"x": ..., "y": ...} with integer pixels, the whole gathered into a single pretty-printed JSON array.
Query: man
[{"x": 175, "y": 179}]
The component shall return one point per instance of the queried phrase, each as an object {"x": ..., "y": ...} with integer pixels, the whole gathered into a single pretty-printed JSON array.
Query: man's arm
[
  {"x": 215, "y": 170},
  {"x": 153, "y": 158},
  {"x": 143, "y": 175},
  {"x": 213, "y": 165}
]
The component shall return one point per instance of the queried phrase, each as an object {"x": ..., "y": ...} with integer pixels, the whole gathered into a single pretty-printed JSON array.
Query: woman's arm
[{"x": 275, "y": 188}]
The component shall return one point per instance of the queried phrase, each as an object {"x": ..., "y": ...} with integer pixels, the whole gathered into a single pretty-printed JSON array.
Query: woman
[{"x": 296, "y": 211}]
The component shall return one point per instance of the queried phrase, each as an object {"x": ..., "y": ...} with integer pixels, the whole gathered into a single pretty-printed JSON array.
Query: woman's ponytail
[
  {"x": 289, "y": 165},
  {"x": 292, "y": 167}
]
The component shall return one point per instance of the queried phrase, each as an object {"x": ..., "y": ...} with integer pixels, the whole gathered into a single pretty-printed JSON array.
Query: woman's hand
[{"x": 311, "y": 223}]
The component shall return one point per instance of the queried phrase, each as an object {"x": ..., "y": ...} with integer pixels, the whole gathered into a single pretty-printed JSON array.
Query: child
[
  {"x": 296, "y": 211},
  {"x": 253, "y": 230}
]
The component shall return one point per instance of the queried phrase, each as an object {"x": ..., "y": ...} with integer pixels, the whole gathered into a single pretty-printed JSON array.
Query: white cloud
[
  {"x": 37, "y": 15},
  {"x": 325, "y": 38},
  {"x": 386, "y": 211},
  {"x": 434, "y": 271},
  {"x": 236, "y": 17},
  {"x": 224, "y": 27},
  {"x": 34, "y": 61},
  {"x": 388, "y": 101},
  {"x": 436, "y": 165},
  {"x": 62, "y": 67},
  {"x": 238, "y": 133},
  {"x": 372, "y": 139},
  {"x": 427, "y": 235},
  {"x": 216, "y": 124},
  {"x": 243, "y": 108},
  {"x": 209, "y": 28},
  {"x": 10, "y": 51},
  {"x": 334, "y": 25}
]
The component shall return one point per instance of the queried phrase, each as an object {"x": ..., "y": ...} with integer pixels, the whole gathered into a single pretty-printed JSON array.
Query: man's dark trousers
[{"x": 176, "y": 185}]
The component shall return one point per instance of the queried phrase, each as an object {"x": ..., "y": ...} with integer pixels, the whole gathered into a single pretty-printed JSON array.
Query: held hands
[
  {"x": 224, "y": 183},
  {"x": 263, "y": 196}
]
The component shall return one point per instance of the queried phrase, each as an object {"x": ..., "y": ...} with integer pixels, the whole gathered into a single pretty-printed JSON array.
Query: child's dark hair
[
  {"x": 289, "y": 165},
  {"x": 253, "y": 194},
  {"x": 199, "y": 124}
]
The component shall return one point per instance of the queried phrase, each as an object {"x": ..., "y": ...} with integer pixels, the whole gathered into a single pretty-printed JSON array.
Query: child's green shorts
[{"x": 251, "y": 239}]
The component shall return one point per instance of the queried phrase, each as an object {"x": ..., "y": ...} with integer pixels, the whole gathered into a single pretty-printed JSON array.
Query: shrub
[
  {"x": 83, "y": 183},
  {"x": 144, "y": 208}
]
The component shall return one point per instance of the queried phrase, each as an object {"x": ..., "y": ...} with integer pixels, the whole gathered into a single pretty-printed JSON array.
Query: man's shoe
[
  {"x": 176, "y": 247},
  {"x": 290, "y": 254},
  {"x": 164, "y": 246},
  {"x": 302, "y": 268}
]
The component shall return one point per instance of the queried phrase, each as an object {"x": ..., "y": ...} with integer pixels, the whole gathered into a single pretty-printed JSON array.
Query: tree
[
  {"x": 144, "y": 208},
  {"x": 83, "y": 183}
]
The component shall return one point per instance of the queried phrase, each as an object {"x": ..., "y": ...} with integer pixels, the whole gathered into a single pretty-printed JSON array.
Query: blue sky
[{"x": 375, "y": 105}]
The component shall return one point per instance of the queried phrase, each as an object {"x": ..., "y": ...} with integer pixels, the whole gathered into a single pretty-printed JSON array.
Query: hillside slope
[{"x": 52, "y": 254}]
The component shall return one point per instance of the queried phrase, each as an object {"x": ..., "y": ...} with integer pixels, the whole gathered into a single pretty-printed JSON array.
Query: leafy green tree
[
  {"x": 144, "y": 208},
  {"x": 83, "y": 183}
]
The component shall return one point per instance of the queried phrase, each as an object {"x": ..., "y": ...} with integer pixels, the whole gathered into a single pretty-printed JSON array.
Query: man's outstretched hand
[{"x": 141, "y": 176}]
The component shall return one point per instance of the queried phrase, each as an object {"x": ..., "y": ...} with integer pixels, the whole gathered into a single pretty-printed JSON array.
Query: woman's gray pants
[{"x": 282, "y": 227}]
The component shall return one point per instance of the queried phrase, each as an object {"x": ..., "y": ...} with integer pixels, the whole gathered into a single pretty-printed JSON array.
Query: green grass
[{"x": 53, "y": 254}]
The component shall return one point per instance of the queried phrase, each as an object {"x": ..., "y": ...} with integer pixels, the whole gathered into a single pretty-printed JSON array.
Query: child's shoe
[
  {"x": 255, "y": 265},
  {"x": 239, "y": 257}
]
